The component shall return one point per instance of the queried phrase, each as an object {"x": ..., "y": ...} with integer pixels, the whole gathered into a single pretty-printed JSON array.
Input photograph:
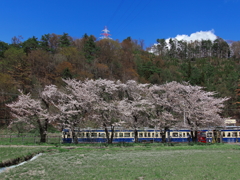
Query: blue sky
[{"x": 145, "y": 20}]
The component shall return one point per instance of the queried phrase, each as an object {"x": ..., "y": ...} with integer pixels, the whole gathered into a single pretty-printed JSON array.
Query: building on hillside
[{"x": 230, "y": 122}]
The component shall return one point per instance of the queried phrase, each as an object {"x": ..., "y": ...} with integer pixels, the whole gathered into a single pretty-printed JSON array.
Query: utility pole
[{"x": 184, "y": 114}]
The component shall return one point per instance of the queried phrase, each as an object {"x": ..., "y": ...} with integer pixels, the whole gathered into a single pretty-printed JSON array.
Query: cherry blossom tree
[
  {"x": 35, "y": 113},
  {"x": 73, "y": 102},
  {"x": 199, "y": 109},
  {"x": 135, "y": 106},
  {"x": 163, "y": 117},
  {"x": 106, "y": 113},
  {"x": 95, "y": 99}
]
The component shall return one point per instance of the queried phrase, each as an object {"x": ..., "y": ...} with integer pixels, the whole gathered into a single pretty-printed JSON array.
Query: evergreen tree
[
  {"x": 67, "y": 74},
  {"x": 3, "y": 47},
  {"x": 30, "y": 44},
  {"x": 89, "y": 48},
  {"x": 64, "y": 40},
  {"x": 44, "y": 43}
]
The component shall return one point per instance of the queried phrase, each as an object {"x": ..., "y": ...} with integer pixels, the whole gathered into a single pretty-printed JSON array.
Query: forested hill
[{"x": 30, "y": 65}]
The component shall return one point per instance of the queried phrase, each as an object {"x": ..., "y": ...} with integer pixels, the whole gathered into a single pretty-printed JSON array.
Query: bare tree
[{"x": 235, "y": 47}]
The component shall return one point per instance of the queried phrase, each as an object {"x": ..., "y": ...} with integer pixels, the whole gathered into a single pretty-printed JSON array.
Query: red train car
[{"x": 201, "y": 136}]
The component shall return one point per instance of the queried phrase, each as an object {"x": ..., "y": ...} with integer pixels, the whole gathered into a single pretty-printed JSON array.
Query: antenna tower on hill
[{"x": 105, "y": 33}]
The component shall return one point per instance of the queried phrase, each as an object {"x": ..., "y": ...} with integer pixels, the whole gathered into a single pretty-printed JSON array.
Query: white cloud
[{"x": 201, "y": 35}]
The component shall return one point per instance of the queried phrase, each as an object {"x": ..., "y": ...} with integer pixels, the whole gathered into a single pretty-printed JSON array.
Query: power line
[
  {"x": 115, "y": 12},
  {"x": 129, "y": 14},
  {"x": 134, "y": 16},
  {"x": 125, "y": 12}
]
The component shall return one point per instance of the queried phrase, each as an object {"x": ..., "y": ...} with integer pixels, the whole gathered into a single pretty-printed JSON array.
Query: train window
[
  {"x": 149, "y": 134},
  {"x": 87, "y": 134},
  {"x": 184, "y": 134},
  {"x": 140, "y": 134},
  {"x": 203, "y": 134},
  {"x": 153, "y": 135},
  {"x": 101, "y": 135},
  {"x": 93, "y": 134},
  {"x": 229, "y": 134},
  {"x": 223, "y": 134},
  {"x": 116, "y": 135},
  {"x": 180, "y": 134},
  {"x": 239, "y": 134},
  {"x": 126, "y": 134},
  {"x": 145, "y": 134},
  {"x": 65, "y": 135},
  {"x": 120, "y": 134},
  {"x": 156, "y": 134},
  {"x": 132, "y": 134},
  {"x": 81, "y": 135},
  {"x": 234, "y": 134},
  {"x": 209, "y": 134},
  {"x": 175, "y": 134}
]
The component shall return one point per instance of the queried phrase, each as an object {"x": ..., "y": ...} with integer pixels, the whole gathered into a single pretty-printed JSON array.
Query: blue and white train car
[
  {"x": 230, "y": 135},
  {"x": 126, "y": 136}
]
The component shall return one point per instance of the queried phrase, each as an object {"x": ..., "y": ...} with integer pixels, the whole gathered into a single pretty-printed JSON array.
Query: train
[{"x": 227, "y": 135}]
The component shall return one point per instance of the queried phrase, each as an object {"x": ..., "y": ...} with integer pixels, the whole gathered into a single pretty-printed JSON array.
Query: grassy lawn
[{"x": 133, "y": 162}]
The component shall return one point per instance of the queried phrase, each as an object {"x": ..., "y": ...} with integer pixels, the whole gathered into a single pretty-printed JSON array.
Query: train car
[
  {"x": 151, "y": 135},
  {"x": 209, "y": 136},
  {"x": 97, "y": 136},
  {"x": 127, "y": 136},
  {"x": 201, "y": 136},
  {"x": 230, "y": 135},
  {"x": 66, "y": 136},
  {"x": 180, "y": 136}
]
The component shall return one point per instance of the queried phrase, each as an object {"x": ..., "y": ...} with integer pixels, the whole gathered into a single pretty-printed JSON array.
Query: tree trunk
[
  {"x": 163, "y": 134},
  {"x": 74, "y": 134},
  {"x": 194, "y": 136},
  {"x": 107, "y": 134},
  {"x": 43, "y": 130},
  {"x": 135, "y": 135},
  {"x": 112, "y": 135},
  {"x": 74, "y": 137},
  {"x": 43, "y": 137}
]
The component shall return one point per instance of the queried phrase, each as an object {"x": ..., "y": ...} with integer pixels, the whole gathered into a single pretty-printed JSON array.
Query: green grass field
[
  {"x": 132, "y": 162},
  {"x": 19, "y": 139}
]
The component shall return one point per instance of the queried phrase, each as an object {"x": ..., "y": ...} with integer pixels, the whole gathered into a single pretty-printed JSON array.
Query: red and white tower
[{"x": 105, "y": 33}]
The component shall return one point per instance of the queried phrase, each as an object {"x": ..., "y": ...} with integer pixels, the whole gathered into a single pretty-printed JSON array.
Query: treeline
[{"x": 30, "y": 65}]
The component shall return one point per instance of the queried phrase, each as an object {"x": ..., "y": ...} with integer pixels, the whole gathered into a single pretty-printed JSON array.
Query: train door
[
  {"x": 216, "y": 136},
  {"x": 201, "y": 136}
]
